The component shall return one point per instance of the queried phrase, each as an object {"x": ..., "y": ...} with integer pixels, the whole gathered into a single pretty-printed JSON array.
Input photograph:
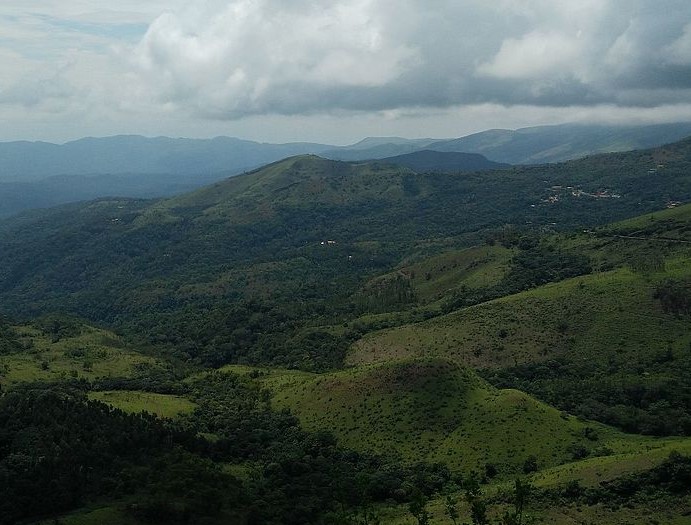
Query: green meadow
[
  {"x": 163, "y": 405},
  {"x": 89, "y": 354}
]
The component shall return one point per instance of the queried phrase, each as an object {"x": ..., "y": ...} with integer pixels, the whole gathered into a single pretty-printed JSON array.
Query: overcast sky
[{"x": 336, "y": 71}]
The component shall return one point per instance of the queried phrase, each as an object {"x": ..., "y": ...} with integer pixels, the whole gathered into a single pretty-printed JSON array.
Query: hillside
[
  {"x": 544, "y": 144},
  {"x": 527, "y": 356},
  {"x": 57, "y": 349},
  {"x": 189, "y": 270},
  {"x": 428, "y": 160},
  {"x": 433, "y": 410},
  {"x": 573, "y": 343}
]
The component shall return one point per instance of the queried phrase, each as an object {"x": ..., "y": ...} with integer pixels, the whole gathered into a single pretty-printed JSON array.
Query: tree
[
  {"x": 473, "y": 495},
  {"x": 521, "y": 493},
  {"x": 530, "y": 464},
  {"x": 450, "y": 507},
  {"x": 418, "y": 508}
]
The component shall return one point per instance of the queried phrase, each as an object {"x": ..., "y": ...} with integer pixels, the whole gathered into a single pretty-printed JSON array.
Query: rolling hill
[
  {"x": 515, "y": 346},
  {"x": 428, "y": 160},
  {"x": 306, "y": 230},
  {"x": 434, "y": 410},
  {"x": 611, "y": 345}
]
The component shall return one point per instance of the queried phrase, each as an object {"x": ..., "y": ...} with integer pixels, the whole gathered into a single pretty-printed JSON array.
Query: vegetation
[
  {"x": 375, "y": 361},
  {"x": 250, "y": 248}
]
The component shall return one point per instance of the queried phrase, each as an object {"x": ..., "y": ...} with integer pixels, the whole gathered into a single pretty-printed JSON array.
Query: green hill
[
  {"x": 59, "y": 349},
  {"x": 432, "y": 410},
  {"x": 612, "y": 345},
  {"x": 437, "y": 411},
  {"x": 190, "y": 272}
]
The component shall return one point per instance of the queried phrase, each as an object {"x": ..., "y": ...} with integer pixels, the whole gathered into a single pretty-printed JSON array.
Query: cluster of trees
[
  {"x": 60, "y": 451},
  {"x": 674, "y": 296},
  {"x": 9, "y": 341},
  {"x": 669, "y": 481},
  {"x": 655, "y": 403}
]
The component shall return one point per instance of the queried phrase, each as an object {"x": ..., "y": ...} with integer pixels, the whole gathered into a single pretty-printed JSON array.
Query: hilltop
[
  {"x": 39, "y": 174},
  {"x": 428, "y": 160},
  {"x": 434, "y": 410},
  {"x": 187, "y": 271}
]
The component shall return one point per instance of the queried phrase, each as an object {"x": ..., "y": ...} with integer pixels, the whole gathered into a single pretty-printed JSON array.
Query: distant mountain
[
  {"x": 534, "y": 145},
  {"x": 62, "y": 189},
  {"x": 545, "y": 144},
  {"x": 26, "y": 161},
  {"x": 377, "y": 148},
  {"x": 131, "y": 154},
  {"x": 428, "y": 160},
  {"x": 135, "y": 166},
  {"x": 373, "y": 142}
]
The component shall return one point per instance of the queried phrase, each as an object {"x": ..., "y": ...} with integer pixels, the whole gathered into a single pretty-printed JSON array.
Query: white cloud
[
  {"x": 534, "y": 55},
  {"x": 232, "y": 62},
  {"x": 256, "y": 56}
]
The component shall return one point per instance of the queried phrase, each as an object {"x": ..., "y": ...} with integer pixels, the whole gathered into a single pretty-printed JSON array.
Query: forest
[{"x": 354, "y": 343}]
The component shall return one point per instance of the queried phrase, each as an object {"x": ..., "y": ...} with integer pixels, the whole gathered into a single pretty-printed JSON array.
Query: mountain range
[
  {"x": 337, "y": 342},
  {"x": 39, "y": 174}
]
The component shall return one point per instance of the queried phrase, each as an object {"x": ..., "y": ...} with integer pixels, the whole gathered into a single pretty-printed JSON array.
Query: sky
[{"x": 335, "y": 71}]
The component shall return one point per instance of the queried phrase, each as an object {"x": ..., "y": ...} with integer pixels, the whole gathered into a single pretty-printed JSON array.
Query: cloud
[
  {"x": 534, "y": 55},
  {"x": 244, "y": 57},
  {"x": 229, "y": 60}
]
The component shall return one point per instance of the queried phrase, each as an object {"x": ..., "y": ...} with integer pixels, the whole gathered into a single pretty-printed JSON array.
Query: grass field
[
  {"x": 435, "y": 410},
  {"x": 93, "y": 353},
  {"x": 163, "y": 405},
  {"x": 587, "y": 317}
]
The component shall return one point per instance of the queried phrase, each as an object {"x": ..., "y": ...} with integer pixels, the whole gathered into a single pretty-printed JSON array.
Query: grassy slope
[
  {"x": 92, "y": 354},
  {"x": 434, "y": 410},
  {"x": 434, "y": 277},
  {"x": 163, "y": 405},
  {"x": 587, "y": 317},
  {"x": 609, "y": 315}
]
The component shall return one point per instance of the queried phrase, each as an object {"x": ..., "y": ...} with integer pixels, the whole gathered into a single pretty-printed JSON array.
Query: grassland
[
  {"x": 163, "y": 405},
  {"x": 434, "y": 277},
  {"x": 92, "y": 353},
  {"x": 435, "y": 410},
  {"x": 609, "y": 316}
]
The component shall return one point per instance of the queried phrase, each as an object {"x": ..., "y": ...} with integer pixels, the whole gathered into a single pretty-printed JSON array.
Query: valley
[{"x": 319, "y": 341}]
